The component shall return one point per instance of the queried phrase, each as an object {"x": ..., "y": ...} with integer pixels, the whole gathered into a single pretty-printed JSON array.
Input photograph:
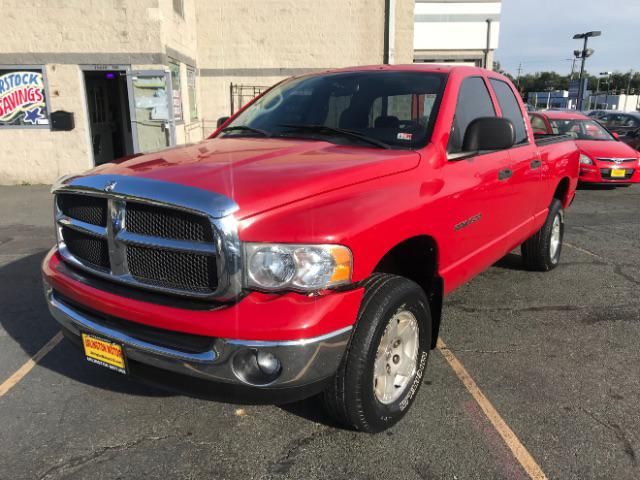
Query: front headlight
[
  {"x": 271, "y": 266},
  {"x": 584, "y": 160}
]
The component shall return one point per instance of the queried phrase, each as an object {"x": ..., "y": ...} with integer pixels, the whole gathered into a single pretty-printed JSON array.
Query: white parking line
[
  {"x": 14, "y": 379},
  {"x": 517, "y": 448}
]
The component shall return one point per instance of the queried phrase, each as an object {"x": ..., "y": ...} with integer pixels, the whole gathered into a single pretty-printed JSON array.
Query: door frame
[
  {"x": 129, "y": 73},
  {"x": 132, "y": 106},
  {"x": 101, "y": 67}
]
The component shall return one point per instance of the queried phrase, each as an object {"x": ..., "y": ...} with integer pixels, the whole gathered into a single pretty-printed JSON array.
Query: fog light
[
  {"x": 256, "y": 367},
  {"x": 268, "y": 363}
]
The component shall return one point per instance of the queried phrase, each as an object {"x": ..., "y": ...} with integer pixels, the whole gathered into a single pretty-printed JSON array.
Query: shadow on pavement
[
  {"x": 26, "y": 319},
  {"x": 511, "y": 261}
]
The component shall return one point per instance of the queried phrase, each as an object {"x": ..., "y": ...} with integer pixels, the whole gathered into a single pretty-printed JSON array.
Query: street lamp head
[{"x": 595, "y": 33}]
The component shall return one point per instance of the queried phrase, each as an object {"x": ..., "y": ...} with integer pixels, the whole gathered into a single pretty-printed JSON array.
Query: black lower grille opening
[
  {"x": 606, "y": 173},
  {"x": 85, "y": 208},
  {"x": 175, "y": 270},
  {"x": 87, "y": 248}
]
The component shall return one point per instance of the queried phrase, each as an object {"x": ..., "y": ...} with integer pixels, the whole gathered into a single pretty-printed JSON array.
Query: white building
[
  {"x": 623, "y": 103},
  {"x": 456, "y": 31}
]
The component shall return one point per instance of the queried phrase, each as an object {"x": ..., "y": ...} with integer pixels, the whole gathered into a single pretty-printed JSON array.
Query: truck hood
[
  {"x": 261, "y": 174},
  {"x": 606, "y": 149}
]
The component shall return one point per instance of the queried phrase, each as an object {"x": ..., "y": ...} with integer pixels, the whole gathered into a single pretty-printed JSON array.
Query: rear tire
[
  {"x": 382, "y": 369},
  {"x": 542, "y": 251}
]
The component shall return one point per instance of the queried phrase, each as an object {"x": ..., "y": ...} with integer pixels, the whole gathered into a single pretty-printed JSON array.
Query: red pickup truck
[{"x": 308, "y": 244}]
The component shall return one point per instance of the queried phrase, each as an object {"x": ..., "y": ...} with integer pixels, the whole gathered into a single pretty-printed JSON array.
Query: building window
[
  {"x": 176, "y": 95},
  {"x": 23, "y": 100},
  {"x": 178, "y": 7},
  {"x": 191, "y": 89}
]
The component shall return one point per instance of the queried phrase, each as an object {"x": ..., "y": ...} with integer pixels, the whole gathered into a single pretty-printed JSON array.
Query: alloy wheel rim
[
  {"x": 554, "y": 244},
  {"x": 396, "y": 358}
]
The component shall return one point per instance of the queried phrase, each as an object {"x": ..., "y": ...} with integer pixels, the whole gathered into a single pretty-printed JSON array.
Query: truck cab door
[{"x": 526, "y": 164}]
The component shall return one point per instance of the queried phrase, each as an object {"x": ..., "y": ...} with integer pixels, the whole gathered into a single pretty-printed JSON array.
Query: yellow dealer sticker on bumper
[{"x": 104, "y": 353}]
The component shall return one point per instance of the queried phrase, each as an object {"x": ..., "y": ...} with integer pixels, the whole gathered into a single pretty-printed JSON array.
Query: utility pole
[
  {"x": 585, "y": 53},
  {"x": 488, "y": 49},
  {"x": 606, "y": 99},
  {"x": 519, "y": 73}
]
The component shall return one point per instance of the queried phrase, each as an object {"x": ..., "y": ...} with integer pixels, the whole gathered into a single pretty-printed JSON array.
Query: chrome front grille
[{"x": 132, "y": 235}]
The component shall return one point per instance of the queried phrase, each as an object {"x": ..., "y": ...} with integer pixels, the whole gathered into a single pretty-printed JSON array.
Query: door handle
[
  {"x": 535, "y": 164},
  {"x": 504, "y": 174}
]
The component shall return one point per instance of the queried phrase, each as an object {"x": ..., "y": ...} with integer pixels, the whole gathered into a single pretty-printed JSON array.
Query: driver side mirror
[
  {"x": 221, "y": 121},
  {"x": 489, "y": 133},
  {"x": 616, "y": 135}
]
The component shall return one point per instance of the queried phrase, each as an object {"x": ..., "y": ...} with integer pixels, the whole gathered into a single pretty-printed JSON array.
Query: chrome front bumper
[{"x": 303, "y": 362}]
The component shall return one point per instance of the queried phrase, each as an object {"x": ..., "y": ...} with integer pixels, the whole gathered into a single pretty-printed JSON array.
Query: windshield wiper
[
  {"x": 245, "y": 128},
  {"x": 323, "y": 129}
]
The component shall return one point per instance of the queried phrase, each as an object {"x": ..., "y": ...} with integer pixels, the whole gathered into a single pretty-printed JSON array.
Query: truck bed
[{"x": 543, "y": 139}]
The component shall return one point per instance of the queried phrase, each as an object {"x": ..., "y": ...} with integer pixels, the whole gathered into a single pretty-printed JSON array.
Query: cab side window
[
  {"x": 474, "y": 102},
  {"x": 510, "y": 109},
  {"x": 538, "y": 124}
]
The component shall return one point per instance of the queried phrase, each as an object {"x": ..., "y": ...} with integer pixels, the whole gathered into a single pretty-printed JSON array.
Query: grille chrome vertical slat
[
  {"x": 117, "y": 249},
  {"x": 174, "y": 225}
]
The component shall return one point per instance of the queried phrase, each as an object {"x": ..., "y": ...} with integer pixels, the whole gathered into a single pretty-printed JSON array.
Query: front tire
[
  {"x": 542, "y": 251},
  {"x": 383, "y": 367}
]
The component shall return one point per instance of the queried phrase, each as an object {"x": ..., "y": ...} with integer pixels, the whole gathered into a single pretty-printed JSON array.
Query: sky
[{"x": 539, "y": 34}]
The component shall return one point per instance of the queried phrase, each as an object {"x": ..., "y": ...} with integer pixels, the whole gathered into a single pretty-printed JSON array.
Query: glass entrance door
[{"x": 151, "y": 113}]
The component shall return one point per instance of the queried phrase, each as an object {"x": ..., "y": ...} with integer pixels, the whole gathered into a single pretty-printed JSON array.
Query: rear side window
[
  {"x": 538, "y": 124},
  {"x": 510, "y": 108},
  {"x": 630, "y": 121},
  {"x": 474, "y": 102}
]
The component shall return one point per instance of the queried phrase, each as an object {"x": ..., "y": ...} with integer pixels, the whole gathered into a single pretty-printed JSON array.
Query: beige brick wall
[
  {"x": 82, "y": 26},
  {"x": 254, "y": 38}
]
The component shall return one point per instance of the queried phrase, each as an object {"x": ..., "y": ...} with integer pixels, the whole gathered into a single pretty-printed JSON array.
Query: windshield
[
  {"x": 581, "y": 129},
  {"x": 388, "y": 109}
]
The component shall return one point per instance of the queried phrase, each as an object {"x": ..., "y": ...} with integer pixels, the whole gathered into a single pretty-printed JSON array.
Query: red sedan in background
[{"x": 603, "y": 158}]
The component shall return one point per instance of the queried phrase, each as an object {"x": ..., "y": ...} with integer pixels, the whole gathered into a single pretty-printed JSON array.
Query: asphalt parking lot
[{"x": 556, "y": 354}]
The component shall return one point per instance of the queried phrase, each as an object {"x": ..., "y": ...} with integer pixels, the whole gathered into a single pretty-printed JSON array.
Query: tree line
[{"x": 618, "y": 82}]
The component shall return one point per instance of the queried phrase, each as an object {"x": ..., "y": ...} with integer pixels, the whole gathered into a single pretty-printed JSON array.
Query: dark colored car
[
  {"x": 598, "y": 113},
  {"x": 632, "y": 138},
  {"x": 620, "y": 122}
]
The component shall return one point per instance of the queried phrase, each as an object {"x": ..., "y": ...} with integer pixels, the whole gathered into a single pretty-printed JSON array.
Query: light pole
[
  {"x": 606, "y": 99},
  {"x": 585, "y": 53}
]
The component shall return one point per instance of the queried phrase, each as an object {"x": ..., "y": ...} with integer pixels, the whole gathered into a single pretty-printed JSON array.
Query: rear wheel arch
[
  {"x": 562, "y": 192},
  {"x": 416, "y": 258}
]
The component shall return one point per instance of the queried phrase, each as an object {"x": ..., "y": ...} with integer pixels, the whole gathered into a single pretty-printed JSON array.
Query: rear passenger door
[
  {"x": 526, "y": 165},
  {"x": 477, "y": 192}
]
